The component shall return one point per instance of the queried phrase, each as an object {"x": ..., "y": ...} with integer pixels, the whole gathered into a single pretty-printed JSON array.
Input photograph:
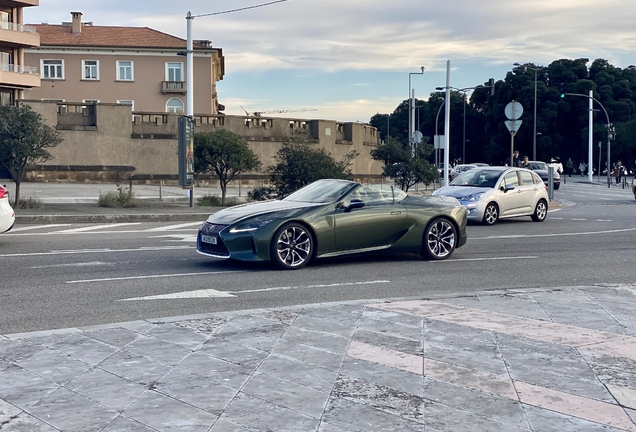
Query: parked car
[
  {"x": 7, "y": 215},
  {"x": 458, "y": 169},
  {"x": 493, "y": 193},
  {"x": 542, "y": 168},
  {"x": 330, "y": 218}
]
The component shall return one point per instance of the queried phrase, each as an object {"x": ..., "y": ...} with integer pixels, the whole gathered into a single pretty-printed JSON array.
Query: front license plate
[{"x": 208, "y": 239}]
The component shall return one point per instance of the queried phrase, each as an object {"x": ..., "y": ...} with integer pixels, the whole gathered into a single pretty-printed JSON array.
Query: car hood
[
  {"x": 234, "y": 214},
  {"x": 460, "y": 191}
]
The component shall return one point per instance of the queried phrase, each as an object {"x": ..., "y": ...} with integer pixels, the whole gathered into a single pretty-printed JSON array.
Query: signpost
[
  {"x": 513, "y": 111},
  {"x": 186, "y": 155}
]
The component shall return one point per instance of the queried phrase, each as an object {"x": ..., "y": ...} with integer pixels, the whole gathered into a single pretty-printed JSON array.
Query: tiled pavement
[{"x": 558, "y": 359}]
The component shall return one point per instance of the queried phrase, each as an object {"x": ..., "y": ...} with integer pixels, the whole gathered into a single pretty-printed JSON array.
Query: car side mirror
[
  {"x": 354, "y": 204},
  {"x": 507, "y": 187}
]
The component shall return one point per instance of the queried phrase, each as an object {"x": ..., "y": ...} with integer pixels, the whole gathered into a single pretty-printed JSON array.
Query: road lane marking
[
  {"x": 84, "y": 251},
  {"x": 209, "y": 293},
  {"x": 550, "y": 235},
  {"x": 95, "y": 227},
  {"x": 33, "y": 227},
  {"x": 315, "y": 286},
  {"x": 488, "y": 259},
  {"x": 84, "y": 264},
  {"x": 151, "y": 276},
  {"x": 172, "y": 227},
  {"x": 578, "y": 219}
]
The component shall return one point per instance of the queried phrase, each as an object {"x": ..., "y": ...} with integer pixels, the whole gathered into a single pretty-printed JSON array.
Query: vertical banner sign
[{"x": 186, "y": 152}]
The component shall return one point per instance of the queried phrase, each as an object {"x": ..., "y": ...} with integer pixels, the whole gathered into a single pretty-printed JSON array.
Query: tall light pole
[
  {"x": 412, "y": 111},
  {"x": 534, "y": 135}
]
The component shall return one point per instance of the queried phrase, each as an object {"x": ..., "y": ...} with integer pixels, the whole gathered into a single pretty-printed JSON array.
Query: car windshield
[
  {"x": 478, "y": 177},
  {"x": 538, "y": 165},
  {"x": 321, "y": 191}
]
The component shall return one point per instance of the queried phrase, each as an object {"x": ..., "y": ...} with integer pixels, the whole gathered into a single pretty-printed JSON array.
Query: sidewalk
[{"x": 561, "y": 359}]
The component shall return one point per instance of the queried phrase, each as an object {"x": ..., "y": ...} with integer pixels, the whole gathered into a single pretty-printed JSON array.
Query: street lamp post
[
  {"x": 534, "y": 136},
  {"x": 412, "y": 110}
]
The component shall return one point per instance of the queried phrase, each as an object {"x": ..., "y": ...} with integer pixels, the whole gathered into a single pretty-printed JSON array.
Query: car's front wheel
[
  {"x": 440, "y": 238},
  {"x": 491, "y": 214},
  {"x": 292, "y": 246},
  {"x": 540, "y": 211}
]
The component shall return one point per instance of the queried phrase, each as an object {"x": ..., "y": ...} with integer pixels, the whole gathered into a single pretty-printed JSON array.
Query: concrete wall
[{"x": 111, "y": 138}]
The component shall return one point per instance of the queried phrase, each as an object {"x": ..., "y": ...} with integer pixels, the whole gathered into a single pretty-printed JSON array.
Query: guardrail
[{"x": 29, "y": 70}]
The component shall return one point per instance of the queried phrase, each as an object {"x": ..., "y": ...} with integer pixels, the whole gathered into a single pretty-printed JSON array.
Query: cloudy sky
[{"x": 350, "y": 59}]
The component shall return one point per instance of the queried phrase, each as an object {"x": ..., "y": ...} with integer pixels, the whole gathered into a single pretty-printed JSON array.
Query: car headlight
[
  {"x": 252, "y": 226},
  {"x": 474, "y": 197}
]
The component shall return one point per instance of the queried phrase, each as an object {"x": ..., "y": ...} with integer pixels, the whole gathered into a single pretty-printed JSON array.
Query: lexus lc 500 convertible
[{"x": 331, "y": 218}]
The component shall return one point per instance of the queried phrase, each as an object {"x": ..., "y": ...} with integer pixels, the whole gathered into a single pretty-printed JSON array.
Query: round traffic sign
[{"x": 513, "y": 110}]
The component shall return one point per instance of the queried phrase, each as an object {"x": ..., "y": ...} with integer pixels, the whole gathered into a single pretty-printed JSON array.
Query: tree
[
  {"x": 299, "y": 163},
  {"x": 407, "y": 171},
  {"x": 24, "y": 141},
  {"x": 225, "y": 154}
]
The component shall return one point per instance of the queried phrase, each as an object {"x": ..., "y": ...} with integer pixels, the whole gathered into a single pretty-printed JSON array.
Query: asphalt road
[{"x": 58, "y": 276}]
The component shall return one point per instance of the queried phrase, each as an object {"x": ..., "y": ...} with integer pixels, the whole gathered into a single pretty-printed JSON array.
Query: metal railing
[
  {"x": 29, "y": 70},
  {"x": 17, "y": 27}
]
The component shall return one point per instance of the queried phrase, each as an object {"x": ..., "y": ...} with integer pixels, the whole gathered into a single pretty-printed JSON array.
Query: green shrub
[
  {"x": 215, "y": 201},
  {"x": 262, "y": 194},
  {"x": 29, "y": 203},
  {"x": 124, "y": 197}
]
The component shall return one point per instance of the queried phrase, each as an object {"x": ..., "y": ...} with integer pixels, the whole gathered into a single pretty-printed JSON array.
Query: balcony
[
  {"x": 173, "y": 87},
  {"x": 19, "y": 3},
  {"x": 19, "y": 76},
  {"x": 18, "y": 35}
]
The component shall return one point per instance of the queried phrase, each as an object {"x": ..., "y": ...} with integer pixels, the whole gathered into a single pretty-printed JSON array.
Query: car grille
[{"x": 219, "y": 249}]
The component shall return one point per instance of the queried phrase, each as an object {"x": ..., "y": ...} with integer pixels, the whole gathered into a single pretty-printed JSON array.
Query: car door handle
[{"x": 396, "y": 212}]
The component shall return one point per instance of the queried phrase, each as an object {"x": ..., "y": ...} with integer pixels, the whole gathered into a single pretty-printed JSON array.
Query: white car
[
  {"x": 458, "y": 169},
  {"x": 493, "y": 193},
  {"x": 7, "y": 215}
]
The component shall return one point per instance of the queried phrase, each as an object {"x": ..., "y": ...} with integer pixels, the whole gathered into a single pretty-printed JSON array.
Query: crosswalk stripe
[
  {"x": 34, "y": 227},
  {"x": 173, "y": 227},
  {"x": 96, "y": 227}
]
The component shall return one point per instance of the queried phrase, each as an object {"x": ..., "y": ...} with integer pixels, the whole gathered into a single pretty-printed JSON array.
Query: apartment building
[
  {"x": 137, "y": 66},
  {"x": 15, "y": 75}
]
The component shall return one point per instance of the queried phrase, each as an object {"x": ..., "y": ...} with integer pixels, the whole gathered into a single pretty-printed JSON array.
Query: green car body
[{"x": 329, "y": 218}]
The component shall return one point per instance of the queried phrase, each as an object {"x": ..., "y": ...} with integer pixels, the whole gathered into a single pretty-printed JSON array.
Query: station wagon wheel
[
  {"x": 540, "y": 211},
  {"x": 440, "y": 238},
  {"x": 292, "y": 246},
  {"x": 491, "y": 214}
]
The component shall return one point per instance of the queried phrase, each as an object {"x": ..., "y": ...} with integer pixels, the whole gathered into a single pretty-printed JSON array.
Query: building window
[
  {"x": 174, "y": 71},
  {"x": 52, "y": 69},
  {"x": 90, "y": 69},
  {"x": 125, "y": 71},
  {"x": 127, "y": 102},
  {"x": 174, "y": 105},
  {"x": 6, "y": 98}
]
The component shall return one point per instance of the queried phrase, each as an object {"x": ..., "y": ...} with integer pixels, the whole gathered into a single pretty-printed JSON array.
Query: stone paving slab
[{"x": 551, "y": 359}]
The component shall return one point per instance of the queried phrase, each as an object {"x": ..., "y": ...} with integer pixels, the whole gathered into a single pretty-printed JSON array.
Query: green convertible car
[{"x": 331, "y": 218}]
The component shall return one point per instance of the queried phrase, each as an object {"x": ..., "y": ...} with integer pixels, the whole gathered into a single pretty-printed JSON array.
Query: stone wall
[{"x": 103, "y": 142}]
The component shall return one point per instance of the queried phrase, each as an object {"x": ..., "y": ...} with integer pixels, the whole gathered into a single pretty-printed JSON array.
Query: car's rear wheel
[
  {"x": 440, "y": 238},
  {"x": 292, "y": 246},
  {"x": 540, "y": 211},
  {"x": 491, "y": 214}
]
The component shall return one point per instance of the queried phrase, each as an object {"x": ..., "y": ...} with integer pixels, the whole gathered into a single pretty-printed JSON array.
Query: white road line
[
  {"x": 489, "y": 259},
  {"x": 151, "y": 276},
  {"x": 603, "y": 220},
  {"x": 96, "y": 227},
  {"x": 33, "y": 227},
  {"x": 209, "y": 293},
  {"x": 550, "y": 235},
  {"x": 93, "y": 233},
  {"x": 172, "y": 227},
  {"x": 84, "y": 264},
  {"x": 85, "y": 251},
  {"x": 578, "y": 219},
  {"x": 315, "y": 286}
]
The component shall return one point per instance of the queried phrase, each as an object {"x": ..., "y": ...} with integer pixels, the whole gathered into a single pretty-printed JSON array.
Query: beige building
[
  {"x": 15, "y": 75},
  {"x": 137, "y": 66}
]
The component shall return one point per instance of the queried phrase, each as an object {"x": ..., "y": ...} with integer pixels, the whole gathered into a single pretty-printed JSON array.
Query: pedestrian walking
[
  {"x": 582, "y": 168},
  {"x": 515, "y": 159},
  {"x": 569, "y": 166},
  {"x": 618, "y": 171}
]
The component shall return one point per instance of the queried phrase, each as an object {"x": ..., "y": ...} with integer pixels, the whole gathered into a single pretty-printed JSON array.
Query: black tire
[
  {"x": 540, "y": 211},
  {"x": 557, "y": 186},
  {"x": 440, "y": 238},
  {"x": 491, "y": 214},
  {"x": 292, "y": 246}
]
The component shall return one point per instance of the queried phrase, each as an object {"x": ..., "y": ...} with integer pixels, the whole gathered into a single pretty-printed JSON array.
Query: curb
[{"x": 110, "y": 218}]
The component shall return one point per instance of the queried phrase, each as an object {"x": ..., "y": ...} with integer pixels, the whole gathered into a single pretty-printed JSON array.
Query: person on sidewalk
[
  {"x": 582, "y": 168},
  {"x": 515, "y": 159},
  {"x": 618, "y": 171},
  {"x": 569, "y": 166}
]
